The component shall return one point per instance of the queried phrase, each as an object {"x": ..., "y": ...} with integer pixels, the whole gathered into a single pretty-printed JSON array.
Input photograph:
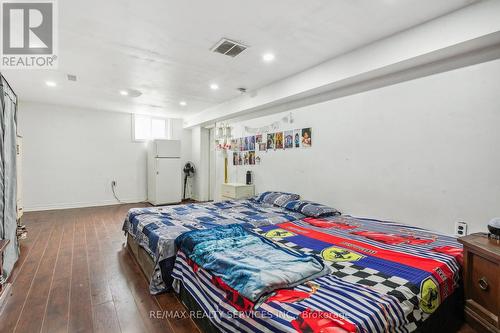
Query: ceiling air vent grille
[
  {"x": 71, "y": 77},
  {"x": 229, "y": 47}
]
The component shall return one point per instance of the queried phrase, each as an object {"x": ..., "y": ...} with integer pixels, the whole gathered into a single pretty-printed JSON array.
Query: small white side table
[{"x": 236, "y": 191}]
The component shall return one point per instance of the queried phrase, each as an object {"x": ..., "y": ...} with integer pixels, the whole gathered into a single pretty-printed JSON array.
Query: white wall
[
  {"x": 72, "y": 154},
  {"x": 424, "y": 152},
  {"x": 185, "y": 135},
  {"x": 200, "y": 158}
]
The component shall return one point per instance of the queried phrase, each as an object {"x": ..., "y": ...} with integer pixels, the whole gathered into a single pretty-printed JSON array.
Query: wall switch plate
[{"x": 461, "y": 228}]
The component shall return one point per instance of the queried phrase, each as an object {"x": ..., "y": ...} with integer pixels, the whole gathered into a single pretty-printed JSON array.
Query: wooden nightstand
[
  {"x": 230, "y": 191},
  {"x": 482, "y": 281}
]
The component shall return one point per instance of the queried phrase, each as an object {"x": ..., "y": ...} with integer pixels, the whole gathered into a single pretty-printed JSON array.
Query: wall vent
[
  {"x": 228, "y": 47},
  {"x": 71, "y": 77}
]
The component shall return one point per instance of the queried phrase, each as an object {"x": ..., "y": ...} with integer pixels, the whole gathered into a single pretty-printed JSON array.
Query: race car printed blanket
[
  {"x": 386, "y": 277},
  {"x": 250, "y": 264},
  {"x": 156, "y": 228}
]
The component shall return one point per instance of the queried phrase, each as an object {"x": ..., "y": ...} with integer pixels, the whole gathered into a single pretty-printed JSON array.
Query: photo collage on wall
[{"x": 246, "y": 150}]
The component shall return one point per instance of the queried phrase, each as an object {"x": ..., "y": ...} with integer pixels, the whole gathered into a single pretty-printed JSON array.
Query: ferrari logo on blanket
[
  {"x": 339, "y": 254},
  {"x": 429, "y": 296},
  {"x": 279, "y": 233}
]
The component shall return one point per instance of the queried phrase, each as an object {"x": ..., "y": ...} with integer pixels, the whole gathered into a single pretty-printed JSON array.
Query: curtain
[{"x": 8, "y": 183}]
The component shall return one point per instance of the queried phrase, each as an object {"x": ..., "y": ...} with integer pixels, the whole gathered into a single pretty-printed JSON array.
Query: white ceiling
[{"x": 162, "y": 47}]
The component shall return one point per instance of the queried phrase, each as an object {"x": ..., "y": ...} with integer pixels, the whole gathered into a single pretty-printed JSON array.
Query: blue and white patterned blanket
[
  {"x": 156, "y": 228},
  {"x": 248, "y": 263}
]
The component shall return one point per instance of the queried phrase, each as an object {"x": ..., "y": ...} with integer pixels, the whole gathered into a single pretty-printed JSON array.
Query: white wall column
[{"x": 200, "y": 158}]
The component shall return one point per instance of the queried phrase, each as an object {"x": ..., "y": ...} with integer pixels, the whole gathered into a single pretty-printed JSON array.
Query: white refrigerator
[{"x": 164, "y": 172}]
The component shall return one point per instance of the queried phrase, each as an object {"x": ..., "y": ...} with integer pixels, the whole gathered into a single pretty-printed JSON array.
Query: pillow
[
  {"x": 310, "y": 208},
  {"x": 277, "y": 198}
]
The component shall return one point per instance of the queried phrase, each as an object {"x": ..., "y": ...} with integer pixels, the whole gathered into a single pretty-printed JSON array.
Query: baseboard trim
[{"x": 69, "y": 205}]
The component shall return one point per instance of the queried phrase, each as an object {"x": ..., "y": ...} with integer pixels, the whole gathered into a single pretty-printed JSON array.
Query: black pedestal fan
[{"x": 188, "y": 173}]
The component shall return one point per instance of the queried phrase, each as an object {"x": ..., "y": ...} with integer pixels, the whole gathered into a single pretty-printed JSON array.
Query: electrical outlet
[
  {"x": 461, "y": 228},
  {"x": 113, "y": 183}
]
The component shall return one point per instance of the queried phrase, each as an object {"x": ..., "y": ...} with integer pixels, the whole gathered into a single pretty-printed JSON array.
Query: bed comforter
[
  {"x": 156, "y": 228},
  {"x": 386, "y": 277},
  {"x": 251, "y": 265}
]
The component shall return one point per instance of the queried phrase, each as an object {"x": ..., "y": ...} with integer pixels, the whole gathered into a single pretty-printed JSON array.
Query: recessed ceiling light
[
  {"x": 214, "y": 86},
  {"x": 268, "y": 57},
  {"x": 50, "y": 83},
  {"x": 123, "y": 92},
  {"x": 182, "y": 103}
]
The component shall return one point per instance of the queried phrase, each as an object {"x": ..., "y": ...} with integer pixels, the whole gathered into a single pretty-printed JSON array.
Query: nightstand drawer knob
[{"x": 483, "y": 283}]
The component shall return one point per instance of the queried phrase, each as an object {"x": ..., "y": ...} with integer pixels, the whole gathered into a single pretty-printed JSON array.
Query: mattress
[
  {"x": 386, "y": 277},
  {"x": 156, "y": 228}
]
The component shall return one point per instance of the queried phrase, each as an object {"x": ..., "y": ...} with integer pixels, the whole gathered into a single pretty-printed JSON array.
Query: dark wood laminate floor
[{"x": 75, "y": 275}]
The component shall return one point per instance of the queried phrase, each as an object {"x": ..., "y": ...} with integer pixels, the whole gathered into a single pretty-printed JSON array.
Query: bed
[
  {"x": 387, "y": 277},
  {"x": 151, "y": 231}
]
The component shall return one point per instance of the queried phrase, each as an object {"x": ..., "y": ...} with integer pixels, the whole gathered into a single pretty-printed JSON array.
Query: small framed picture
[
  {"x": 270, "y": 141},
  {"x": 278, "y": 140},
  {"x": 251, "y": 143},
  {"x": 288, "y": 139},
  {"x": 306, "y": 139},
  {"x": 260, "y": 142},
  {"x": 246, "y": 143},
  {"x": 251, "y": 157},
  {"x": 297, "y": 135}
]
